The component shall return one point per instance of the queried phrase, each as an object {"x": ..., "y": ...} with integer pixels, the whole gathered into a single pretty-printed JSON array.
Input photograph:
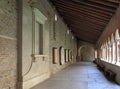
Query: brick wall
[
  {"x": 62, "y": 40},
  {"x": 8, "y": 49},
  {"x": 32, "y": 71},
  {"x": 7, "y": 63}
]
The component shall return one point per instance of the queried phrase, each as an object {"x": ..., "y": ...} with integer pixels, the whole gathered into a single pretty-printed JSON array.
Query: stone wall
[
  {"x": 8, "y": 46},
  {"x": 86, "y": 51},
  {"x": 62, "y": 39},
  {"x": 114, "y": 68},
  {"x": 35, "y": 67}
]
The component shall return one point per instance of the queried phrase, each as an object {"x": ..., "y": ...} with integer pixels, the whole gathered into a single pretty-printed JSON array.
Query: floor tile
[{"x": 83, "y": 75}]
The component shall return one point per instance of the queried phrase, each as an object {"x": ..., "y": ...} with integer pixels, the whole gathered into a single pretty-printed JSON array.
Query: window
[
  {"x": 118, "y": 45},
  {"x": 117, "y": 38},
  {"x": 61, "y": 55},
  {"x": 38, "y": 38},
  {"x": 103, "y": 52},
  {"x": 107, "y": 52},
  {"x": 95, "y": 53},
  {"x": 38, "y": 29},
  {"x": 113, "y": 52},
  {"x": 110, "y": 51},
  {"x": 118, "y": 52},
  {"x": 55, "y": 55},
  {"x": 54, "y": 26}
]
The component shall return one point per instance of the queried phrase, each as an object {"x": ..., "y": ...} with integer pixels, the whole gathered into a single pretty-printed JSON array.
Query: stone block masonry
[
  {"x": 8, "y": 45},
  {"x": 8, "y": 63}
]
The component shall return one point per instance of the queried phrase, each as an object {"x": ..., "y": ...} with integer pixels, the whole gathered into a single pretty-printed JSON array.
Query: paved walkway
[{"x": 83, "y": 75}]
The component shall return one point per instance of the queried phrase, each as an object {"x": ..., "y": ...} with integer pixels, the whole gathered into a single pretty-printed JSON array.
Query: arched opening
[
  {"x": 61, "y": 55},
  {"x": 86, "y": 53}
]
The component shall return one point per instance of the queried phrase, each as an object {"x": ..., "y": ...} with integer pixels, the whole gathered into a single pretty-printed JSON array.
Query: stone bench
[
  {"x": 110, "y": 74},
  {"x": 101, "y": 67}
]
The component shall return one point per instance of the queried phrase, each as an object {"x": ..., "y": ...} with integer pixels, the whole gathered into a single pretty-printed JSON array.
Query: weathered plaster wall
[{"x": 8, "y": 44}]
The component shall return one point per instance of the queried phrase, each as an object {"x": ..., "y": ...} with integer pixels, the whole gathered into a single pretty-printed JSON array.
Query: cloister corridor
[
  {"x": 59, "y": 44},
  {"x": 83, "y": 75}
]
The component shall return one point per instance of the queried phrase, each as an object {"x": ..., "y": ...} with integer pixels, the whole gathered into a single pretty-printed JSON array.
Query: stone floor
[{"x": 83, "y": 75}]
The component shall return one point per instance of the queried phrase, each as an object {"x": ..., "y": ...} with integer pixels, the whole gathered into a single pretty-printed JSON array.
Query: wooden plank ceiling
[{"x": 86, "y": 19}]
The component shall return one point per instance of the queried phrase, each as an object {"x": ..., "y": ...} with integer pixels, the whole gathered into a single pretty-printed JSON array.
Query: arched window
[
  {"x": 61, "y": 56},
  {"x": 100, "y": 53},
  {"x": 103, "y": 52},
  {"x": 113, "y": 49},
  {"x": 106, "y": 51},
  {"x": 117, "y": 39},
  {"x": 109, "y": 50},
  {"x": 95, "y": 53}
]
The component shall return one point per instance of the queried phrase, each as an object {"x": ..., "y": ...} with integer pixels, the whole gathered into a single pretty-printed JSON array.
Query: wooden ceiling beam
[
  {"x": 86, "y": 33},
  {"x": 70, "y": 6},
  {"x": 80, "y": 19},
  {"x": 101, "y": 5},
  {"x": 85, "y": 16},
  {"x": 103, "y": 2},
  {"x": 114, "y": 1},
  {"x": 94, "y": 6},
  {"x": 82, "y": 30},
  {"x": 92, "y": 16},
  {"x": 76, "y": 23},
  {"x": 85, "y": 28},
  {"x": 89, "y": 8},
  {"x": 85, "y": 38},
  {"x": 83, "y": 3},
  {"x": 84, "y": 11}
]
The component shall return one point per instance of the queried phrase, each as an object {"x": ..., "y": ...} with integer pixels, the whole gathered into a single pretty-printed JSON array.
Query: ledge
[
  {"x": 39, "y": 57},
  {"x": 111, "y": 63}
]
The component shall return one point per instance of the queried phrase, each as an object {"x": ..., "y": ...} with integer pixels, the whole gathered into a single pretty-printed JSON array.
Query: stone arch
[
  {"x": 61, "y": 55},
  {"x": 86, "y": 53}
]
